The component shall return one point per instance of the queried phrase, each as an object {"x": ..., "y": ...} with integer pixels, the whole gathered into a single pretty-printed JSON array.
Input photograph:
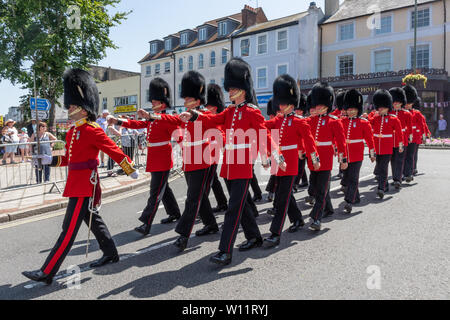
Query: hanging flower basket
[{"x": 412, "y": 78}]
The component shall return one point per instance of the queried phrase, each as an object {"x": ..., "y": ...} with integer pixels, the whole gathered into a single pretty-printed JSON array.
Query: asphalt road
[{"x": 396, "y": 248}]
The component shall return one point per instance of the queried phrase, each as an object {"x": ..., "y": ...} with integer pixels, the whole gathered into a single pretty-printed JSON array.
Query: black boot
[
  {"x": 104, "y": 260},
  {"x": 170, "y": 219},
  {"x": 296, "y": 225},
  {"x": 348, "y": 207},
  {"x": 221, "y": 258},
  {"x": 271, "y": 241},
  {"x": 250, "y": 244},
  {"x": 210, "y": 229},
  {"x": 181, "y": 243},
  {"x": 144, "y": 229},
  {"x": 257, "y": 198},
  {"x": 271, "y": 211},
  {"x": 38, "y": 276},
  {"x": 315, "y": 226}
]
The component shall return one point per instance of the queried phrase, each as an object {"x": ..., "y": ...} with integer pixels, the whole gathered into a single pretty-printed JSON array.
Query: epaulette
[
  {"x": 300, "y": 117},
  {"x": 252, "y": 106},
  {"x": 93, "y": 124},
  {"x": 364, "y": 119},
  {"x": 393, "y": 115},
  {"x": 333, "y": 117}
]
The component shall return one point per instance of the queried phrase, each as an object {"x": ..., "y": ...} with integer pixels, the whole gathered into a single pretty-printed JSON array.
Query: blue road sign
[
  {"x": 42, "y": 104},
  {"x": 264, "y": 99}
]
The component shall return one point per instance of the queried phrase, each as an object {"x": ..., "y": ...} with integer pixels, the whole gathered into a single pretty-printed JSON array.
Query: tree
[{"x": 48, "y": 36}]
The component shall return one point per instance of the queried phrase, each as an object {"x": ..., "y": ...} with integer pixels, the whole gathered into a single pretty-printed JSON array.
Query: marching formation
[{"x": 302, "y": 130}]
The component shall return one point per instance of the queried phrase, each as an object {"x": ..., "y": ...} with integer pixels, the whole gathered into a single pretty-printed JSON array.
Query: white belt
[
  {"x": 403, "y": 130},
  {"x": 328, "y": 143},
  {"x": 195, "y": 143},
  {"x": 383, "y": 135},
  {"x": 355, "y": 141},
  {"x": 237, "y": 146},
  {"x": 417, "y": 130},
  {"x": 291, "y": 147},
  {"x": 158, "y": 144},
  {"x": 414, "y": 127}
]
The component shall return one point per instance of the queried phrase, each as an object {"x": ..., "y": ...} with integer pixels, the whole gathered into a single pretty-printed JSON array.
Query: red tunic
[
  {"x": 294, "y": 135},
  {"x": 159, "y": 134},
  {"x": 84, "y": 141},
  {"x": 383, "y": 128},
  {"x": 406, "y": 120},
  {"x": 245, "y": 136},
  {"x": 419, "y": 126},
  {"x": 326, "y": 130},
  {"x": 357, "y": 130}
]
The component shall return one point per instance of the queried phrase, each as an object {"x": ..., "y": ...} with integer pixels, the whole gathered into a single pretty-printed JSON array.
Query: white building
[{"x": 14, "y": 113}]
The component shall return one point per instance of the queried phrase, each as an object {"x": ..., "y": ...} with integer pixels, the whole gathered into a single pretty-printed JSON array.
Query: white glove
[
  {"x": 45, "y": 159},
  {"x": 135, "y": 174}
]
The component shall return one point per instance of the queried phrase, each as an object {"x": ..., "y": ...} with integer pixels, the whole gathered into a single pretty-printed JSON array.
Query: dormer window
[
  {"x": 222, "y": 28},
  {"x": 202, "y": 34},
  {"x": 184, "y": 39},
  {"x": 153, "y": 48},
  {"x": 168, "y": 45}
]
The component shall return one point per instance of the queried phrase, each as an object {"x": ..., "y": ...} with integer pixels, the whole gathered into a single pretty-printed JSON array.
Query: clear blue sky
[{"x": 155, "y": 19}]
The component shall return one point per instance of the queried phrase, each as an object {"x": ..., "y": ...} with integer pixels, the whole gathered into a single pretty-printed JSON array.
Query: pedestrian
[
  {"x": 326, "y": 129},
  {"x": 356, "y": 130},
  {"x": 294, "y": 134},
  {"x": 384, "y": 126},
  {"x": 24, "y": 148},
  {"x": 159, "y": 156},
  {"x": 215, "y": 104},
  {"x": 128, "y": 139},
  {"x": 244, "y": 125},
  {"x": 13, "y": 138},
  {"x": 398, "y": 159},
  {"x": 32, "y": 127},
  {"x": 84, "y": 140},
  {"x": 4, "y": 140},
  {"x": 104, "y": 125},
  {"x": 45, "y": 149}
]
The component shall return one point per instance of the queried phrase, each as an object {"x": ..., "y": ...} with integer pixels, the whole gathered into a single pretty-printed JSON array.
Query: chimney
[
  {"x": 331, "y": 7},
  {"x": 249, "y": 15}
]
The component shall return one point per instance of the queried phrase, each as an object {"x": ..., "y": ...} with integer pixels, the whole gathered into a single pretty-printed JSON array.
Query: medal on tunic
[
  {"x": 78, "y": 135},
  {"x": 240, "y": 115},
  {"x": 354, "y": 125},
  {"x": 323, "y": 123},
  {"x": 290, "y": 122}
]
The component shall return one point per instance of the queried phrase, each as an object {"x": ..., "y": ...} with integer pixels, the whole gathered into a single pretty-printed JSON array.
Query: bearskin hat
[
  {"x": 353, "y": 99},
  {"x": 322, "y": 94},
  {"x": 302, "y": 104},
  {"x": 285, "y": 91},
  {"x": 417, "y": 103},
  {"x": 193, "y": 86},
  {"x": 382, "y": 99},
  {"x": 238, "y": 75},
  {"x": 340, "y": 99},
  {"x": 411, "y": 93},
  {"x": 215, "y": 97},
  {"x": 398, "y": 95},
  {"x": 270, "y": 111},
  {"x": 80, "y": 90},
  {"x": 160, "y": 91}
]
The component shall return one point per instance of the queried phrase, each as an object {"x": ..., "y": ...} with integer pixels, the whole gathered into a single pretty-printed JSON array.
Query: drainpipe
[
  {"x": 445, "y": 34},
  {"x": 320, "y": 53}
]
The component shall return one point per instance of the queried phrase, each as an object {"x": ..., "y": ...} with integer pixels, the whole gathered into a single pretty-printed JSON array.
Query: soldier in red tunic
[
  {"x": 301, "y": 111},
  {"x": 356, "y": 130},
  {"x": 384, "y": 126},
  {"x": 84, "y": 141},
  {"x": 159, "y": 156},
  {"x": 398, "y": 159},
  {"x": 294, "y": 134},
  {"x": 326, "y": 129}
]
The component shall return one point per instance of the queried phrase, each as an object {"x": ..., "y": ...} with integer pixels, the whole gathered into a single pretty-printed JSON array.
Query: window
[
  {"x": 132, "y": 99},
  {"x": 179, "y": 90},
  {"x": 222, "y": 83},
  {"x": 282, "y": 69},
  {"x": 261, "y": 75},
  {"x": 202, "y": 34},
  {"x": 184, "y": 39},
  {"x": 422, "y": 56},
  {"x": 153, "y": 48},
  {"x": 200, "y": 61},
  {"x": 190, "y": 63},
  {"x": 180, "y": 65},
  {"x": 213, "y": 81},
  {"x": 224, "y": 56},
  {"x": 262, "y": 44},
  {"x": 147, "y": 95},
  {"x": 213, "y": 59},
  {"x": 345, "y": 65},
  {"x": 157, "y": 68},
  {"x": 222, "y": 29},
  {"x": 129, "y": 100},
  {"x": 346, "y": 31},
  {"x": 105, "y": 103},
  {"x": 168, "y": 45},
  {"x": 382, "y": 60},
  {"x": 148, "y": 71},
  {"x": 423, "y": 18},
  {"x": 167, "y": 67},
  {"x": 385, "y": 25},
  {"x": 282, "y": 40},
  {"x": 245, "y": 47}
]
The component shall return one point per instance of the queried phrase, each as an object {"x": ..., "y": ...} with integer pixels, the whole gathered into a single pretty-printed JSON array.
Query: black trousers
[
  {"x": 217, "y": 188},
  {"x": 320, "y": 189},
  {"x": 301, "y": 172},
  {"x": 383, "y": 171},
  {"x": 285, "y": 204},
  {"x": 238, "y": 212},
  {"x": 408, "y": 170},
  {"x": 397, "y": 164},
  {"x": 416, "y": 157},
  {"x": 255, "y": 185},
  {"x": 159, "y": 190},
  {"x": 272, "y": 184},
  {"x": 351, "y": 179},
  {"x": 197, "y": 202},
  {"x": 77, "y": 211}
]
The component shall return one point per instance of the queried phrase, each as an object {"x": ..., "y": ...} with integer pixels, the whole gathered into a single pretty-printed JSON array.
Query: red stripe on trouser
[
  {"x": 287, "y": 206},
  {"x": 239, "y": 215},
  {"x": 325, "y": 197},
  {"x": 67, "y": 238},
  {"x": 156, "y": 202},
  {"x": 199, "y": 200}
]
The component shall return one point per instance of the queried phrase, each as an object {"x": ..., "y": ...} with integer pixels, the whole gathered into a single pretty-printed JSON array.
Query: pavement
[{"x": 395, "y": 248}]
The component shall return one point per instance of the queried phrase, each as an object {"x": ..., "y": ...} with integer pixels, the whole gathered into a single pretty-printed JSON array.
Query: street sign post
[{"x": 42, "y": 104}]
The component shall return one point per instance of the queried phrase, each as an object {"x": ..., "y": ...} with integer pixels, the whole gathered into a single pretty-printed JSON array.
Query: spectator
[
  {"x": 128, "y": 139},
  {"x": 24, "y": 149},
  {"x": 104, "y": 125},
  {"x": 442, "y": 127},
  {"x": 13, "y": 137},
  {"x": 31, "y": 128},
  {"x": 4, "y": 140},
  {"x": 45, "y": 148},
  {"x": 112, "y": 130}
]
